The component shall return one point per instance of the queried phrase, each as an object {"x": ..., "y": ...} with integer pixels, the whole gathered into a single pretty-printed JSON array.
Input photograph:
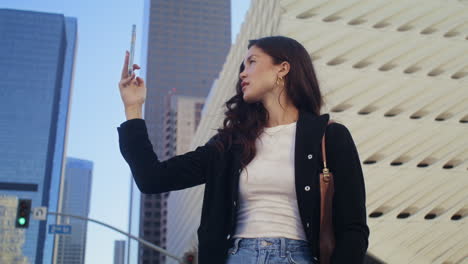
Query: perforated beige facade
[{"x": 395, "y": 72}]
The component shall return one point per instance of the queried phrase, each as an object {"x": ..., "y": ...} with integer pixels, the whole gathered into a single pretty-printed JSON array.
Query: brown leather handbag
[{"x": 327, "y": 188}]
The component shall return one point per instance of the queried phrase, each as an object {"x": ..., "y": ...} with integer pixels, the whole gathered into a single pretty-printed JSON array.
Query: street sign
[
  {"x": 40, "y": 213},
  {"x": 60, "y": 229}
]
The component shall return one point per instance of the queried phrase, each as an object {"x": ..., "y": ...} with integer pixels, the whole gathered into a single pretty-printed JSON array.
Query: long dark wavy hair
[{"x": 244, "y": 122}]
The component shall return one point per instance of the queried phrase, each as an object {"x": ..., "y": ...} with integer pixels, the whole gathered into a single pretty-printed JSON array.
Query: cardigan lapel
[{"x": 309, "y": 130}]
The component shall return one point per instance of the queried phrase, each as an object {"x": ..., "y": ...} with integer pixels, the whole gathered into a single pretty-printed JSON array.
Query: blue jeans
[{"x": 269, "y": 250}]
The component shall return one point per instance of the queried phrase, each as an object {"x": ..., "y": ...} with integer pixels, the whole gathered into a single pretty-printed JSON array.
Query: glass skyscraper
[
  {"x": 119, "y": 252},
  {"x": 75, "y": 200},
  {"x": 37, "y": 52}
]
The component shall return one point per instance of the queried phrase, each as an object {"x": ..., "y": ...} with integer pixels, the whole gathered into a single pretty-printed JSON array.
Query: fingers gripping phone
[{"x": 132, "y": 51}]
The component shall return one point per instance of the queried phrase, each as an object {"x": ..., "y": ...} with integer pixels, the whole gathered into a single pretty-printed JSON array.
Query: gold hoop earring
[{"x": 279, "y": 80}]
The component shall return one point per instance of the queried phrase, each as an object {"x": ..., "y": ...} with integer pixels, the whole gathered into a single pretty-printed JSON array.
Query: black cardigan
[{"x": 220, "y": 174}]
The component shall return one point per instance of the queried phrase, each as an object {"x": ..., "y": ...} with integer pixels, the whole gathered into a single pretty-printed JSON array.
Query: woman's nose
[{"x": 242, "y": 75}]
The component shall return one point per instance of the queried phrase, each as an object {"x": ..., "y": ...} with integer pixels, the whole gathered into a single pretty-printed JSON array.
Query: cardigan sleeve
[
  {"x": 349, "y": 200},
  {"x": 154, "y": 176}
]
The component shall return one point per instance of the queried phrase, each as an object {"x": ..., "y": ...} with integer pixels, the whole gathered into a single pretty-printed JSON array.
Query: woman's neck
[{"x": 278, "y": 116}]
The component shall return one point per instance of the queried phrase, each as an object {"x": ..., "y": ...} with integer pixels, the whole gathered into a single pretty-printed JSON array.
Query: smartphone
[{"x": 132, "y": 51}]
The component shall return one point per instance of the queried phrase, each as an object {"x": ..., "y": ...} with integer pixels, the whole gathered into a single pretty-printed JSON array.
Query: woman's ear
[{"x": 284, "y": 68}]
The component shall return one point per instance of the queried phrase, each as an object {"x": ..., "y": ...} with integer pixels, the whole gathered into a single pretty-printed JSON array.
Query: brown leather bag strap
[
  {"x": 327, "y": 189},
  {"x": 324, "y": 154}
]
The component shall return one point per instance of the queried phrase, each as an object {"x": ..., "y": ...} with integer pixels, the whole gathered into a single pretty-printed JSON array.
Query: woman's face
[{"x": 259, "y": 75}]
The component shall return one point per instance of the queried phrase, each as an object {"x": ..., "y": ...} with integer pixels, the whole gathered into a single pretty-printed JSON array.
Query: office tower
[
  {"x": 133, "y": 247},
  {"x": 75, "y": 200},
  {"x": 181, "y": 119},
  {"x": 37, "y": 53},
  {"x": 119, "y": 252},
  {"x": 395, "y": 73},
  {"x": 184, "y": 47},
  {"x": 182, "y": 115}
]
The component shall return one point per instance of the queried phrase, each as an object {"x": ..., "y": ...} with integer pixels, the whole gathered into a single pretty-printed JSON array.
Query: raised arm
[
  {"x": 150, "y": 174},
  {"x": 154, "y": 176},
  {"x": 349, "y": 201}
]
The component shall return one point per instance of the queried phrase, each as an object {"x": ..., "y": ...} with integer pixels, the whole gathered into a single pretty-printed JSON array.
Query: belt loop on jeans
[
  {"x": 236, "y": 245},
  {"x": 283, "y": 247}
]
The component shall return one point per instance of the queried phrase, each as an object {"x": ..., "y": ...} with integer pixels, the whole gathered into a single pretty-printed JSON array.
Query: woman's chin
[
  {"x": 248, "y": 99},
  {"x": 245, "y": 97}
]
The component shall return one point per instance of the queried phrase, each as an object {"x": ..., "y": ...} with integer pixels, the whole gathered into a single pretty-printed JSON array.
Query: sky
[{"x": 96, "y": 109}]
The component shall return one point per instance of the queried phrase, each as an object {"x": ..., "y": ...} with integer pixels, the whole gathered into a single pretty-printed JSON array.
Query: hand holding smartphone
[
  {"x": 132, "y": 88},
  {"x": 132, "y": 50}
]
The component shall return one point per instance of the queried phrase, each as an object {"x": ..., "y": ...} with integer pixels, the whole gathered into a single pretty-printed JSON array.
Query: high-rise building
[
  {"x": 133, "y": 247},
  {"x": 181, "y": 118},
  {"x": 119, "y": 252},
  {"x": 395, "y": 73},
  {"x": 185, "y": 44},
  {"x": 37, "y": 52},
  {"x": 75, "y": 200}
]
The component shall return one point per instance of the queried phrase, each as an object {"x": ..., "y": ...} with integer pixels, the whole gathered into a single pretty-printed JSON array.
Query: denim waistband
[
  {"x": 280, "y": 244},
  {"x": 277, "y": 243}
]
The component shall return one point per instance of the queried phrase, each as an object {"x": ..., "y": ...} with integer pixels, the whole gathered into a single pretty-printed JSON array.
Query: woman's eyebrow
[{"x": 249, "y": 58}]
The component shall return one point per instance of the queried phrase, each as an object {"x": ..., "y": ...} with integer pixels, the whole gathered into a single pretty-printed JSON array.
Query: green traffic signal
[
  {"x": 23, "y": 213},
  {"x": 21, "y": 221}
]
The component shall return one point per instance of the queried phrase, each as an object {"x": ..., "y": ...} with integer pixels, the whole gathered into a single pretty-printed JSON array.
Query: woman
[{"x": 262, "y": 195}]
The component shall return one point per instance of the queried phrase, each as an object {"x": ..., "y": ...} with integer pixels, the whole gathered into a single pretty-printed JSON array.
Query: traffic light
[
  {"x": 22, "y": 213},
  {"x": 189, "y": 258}
]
